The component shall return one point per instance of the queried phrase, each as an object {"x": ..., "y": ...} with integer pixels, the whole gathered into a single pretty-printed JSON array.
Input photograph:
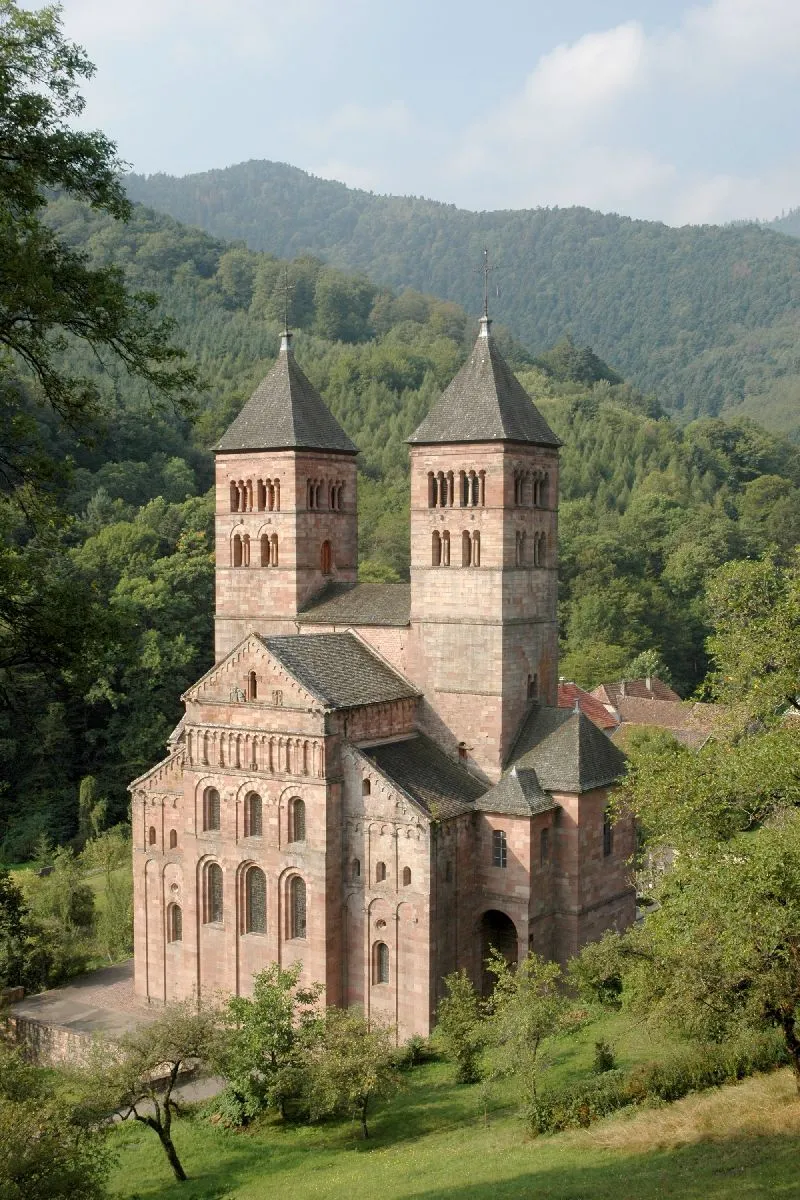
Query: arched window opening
[
  {"x": 544, "y": 847},
  {"x": 297, "y": 820},
  {"x": 355, "y": 869},
  {"x": 340, "y": 496},
  {"x": 255, "y": 901},
  {"x": 476, "y": 548},
  {"x": 538, "y": 549},
  {"x": 151, "y": 836},
  {"x": 253, "y": 815},
  {"x": 380, "y": 872},
  {"x": 211, "y": 809},
  {"x": 213, "y": 898},
  {"x": 326, "y": 558},
  {"x": 608, "y": 834},
  {"x": 249, "y": 504},
  {"x": 174, "y": 923},
  {"x": 273, "y": 543},
  {"x": 252, "y": 686},
  {"x": 499, "y": 848},
  {"x": 445, "y": 548},
  {"x": 533, "y": 687},
  {"x": 436, "y": 549},
  {"x": 450, "y": 480},
  {"x": 463, "y": 489},
  {"x": 297, "y": 907},
  {"x": 276, "y": 500},
  {"x": 246, "y": 550},
  {"x": 482, "y": 488},
  {"x": 520, "y": 551},
  {"x": 366, "y": 787},
  {"x": 237, "y": 550},
  {"x": 309, "y": 494},
  {"x": 265, "y": 549},
  {"x": 261, "y": 491},
  {"x": 544, "y": 488},
  {"x": 442, "y": 480},
  {"x": 234, "y": 497},
  {"x": 406, "y": 876},
  {"x": 173, "y": 838},
  {"x": 475, "y": 489},
  {"x": 380, "y": 965},
  {"x": 432, "y": 490},
  {"x": 466, "y": 549}
]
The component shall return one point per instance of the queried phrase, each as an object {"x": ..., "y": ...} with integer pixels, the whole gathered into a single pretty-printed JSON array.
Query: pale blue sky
[{"x": 678, "y": 111}]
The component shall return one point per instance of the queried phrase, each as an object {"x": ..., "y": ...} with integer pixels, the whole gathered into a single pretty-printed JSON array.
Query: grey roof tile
[
  {"x": 339, "y": 669},
  {"x": 359, "y": 604},
  {"x": 286, "y": 412},
  {"x": 518, "y": 794},
  {"x": 485, "y": 403},
  {"x": 439, "y": 785},
  {"x": 567, "y": 751}
]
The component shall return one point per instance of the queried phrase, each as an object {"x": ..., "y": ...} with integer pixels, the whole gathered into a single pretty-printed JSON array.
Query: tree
[
  {"x": 458, "y": 1026},
  {"x": 137, "y": 1075},
  {"x": 527, "y": 1007},
  {"x": 261, "y": 1055},
  {"x": 110, "y": 853},
  {"x": 648, "y": 664},
  {"x": 13, "y": 912},
  {"x": 350, "y": 1063},
  {"x": 91, "y": 809},
  {"x": 755, "y": 610},
  {"x": 46, "y": 1149},
  {"x": 49, "y": 293}
]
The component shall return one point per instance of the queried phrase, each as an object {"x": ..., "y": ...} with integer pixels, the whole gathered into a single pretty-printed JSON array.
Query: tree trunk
[
  {"x": 792, "y": 1041},
  {"x": 363, "y": 1114},
  {"x": 172, "y": 1155}
]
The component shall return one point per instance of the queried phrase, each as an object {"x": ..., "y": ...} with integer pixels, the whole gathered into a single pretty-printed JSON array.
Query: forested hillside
[
  {"x": 707, "y": 317},
  {"x": 117, "y": 598},
  {"x": 789, "y": 223}
]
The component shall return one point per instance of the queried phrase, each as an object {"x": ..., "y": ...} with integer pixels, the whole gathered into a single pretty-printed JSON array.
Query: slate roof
[
  {"x": 419, "y": 768},
  {"x": 569, "y": 694},
  {"x": 339, "y": 669},
  {"x": 519, "y": 794},
  {"x": 362, "y": 604},
  {"x": 567, "y": 752},
  {"x": 485, "y": 402},
  {"x": 655, "y": 689},
  {"x": 286, "y": 412}
]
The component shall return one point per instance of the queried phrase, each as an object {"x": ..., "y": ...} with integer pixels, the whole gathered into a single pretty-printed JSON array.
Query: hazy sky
[{"x": 684, "y": 112}]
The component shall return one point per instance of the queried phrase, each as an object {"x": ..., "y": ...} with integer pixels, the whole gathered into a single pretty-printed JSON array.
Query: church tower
[
  {"x": 484, "y": 560},
  {"x": 286, "y": 515}
]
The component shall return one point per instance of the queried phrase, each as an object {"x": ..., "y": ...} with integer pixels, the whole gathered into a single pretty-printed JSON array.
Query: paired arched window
[
  {"x": 174, "y": 923},
  {"x": 472, "y": 488},
  {"x": 326, "y": 558},
  {"x": 335, "y": 495},
  {"x": 499, "y": 848},
  {"x": 269, "y": 550},
  {"x": 151, "y": 836},
  {"x": 441, "y": 489},
  {"x": 240, "y": 555},
  {"x": 544, "y": 847},
  {"x": 297, "y": 907},
  {"x": 297, "y": 820},
  {"x": 211, "y": 808},
  {"x": 380, "y": 872},
  {"x": 212, "y": 907},
  {"x": 255, "y": 901},
  {"x": 173, "y": 838},
  {"x": 253, "y": 815},
  {"x": 380, "y": 963},
  {"x": 406, "y": 876}
]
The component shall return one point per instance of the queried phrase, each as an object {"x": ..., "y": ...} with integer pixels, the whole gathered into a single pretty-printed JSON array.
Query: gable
[{"x": 228, "y": 682}]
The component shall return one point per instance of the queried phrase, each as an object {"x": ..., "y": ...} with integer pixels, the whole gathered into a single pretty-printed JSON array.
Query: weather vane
[
  {"x": 285, "y": 289},
  {"x": 487, "y": 270}
]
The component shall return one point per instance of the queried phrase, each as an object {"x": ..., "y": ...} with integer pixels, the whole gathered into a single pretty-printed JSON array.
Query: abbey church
[{"x": 374, "y": 779}]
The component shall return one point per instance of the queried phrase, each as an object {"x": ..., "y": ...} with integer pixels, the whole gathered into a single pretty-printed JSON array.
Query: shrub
[
  {"x": 698, "y": 1068},
  {"x": 604, "y": 1059}
]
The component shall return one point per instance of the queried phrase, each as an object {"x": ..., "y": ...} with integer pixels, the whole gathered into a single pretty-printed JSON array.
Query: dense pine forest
[
  {"x": 115, "y": 582},
  {"x": 705, "y": 316}
]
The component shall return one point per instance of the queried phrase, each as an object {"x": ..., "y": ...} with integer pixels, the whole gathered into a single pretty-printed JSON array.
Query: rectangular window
[
  {"x": 608, "y": 834},
  {"x": 499, "y": 849}
]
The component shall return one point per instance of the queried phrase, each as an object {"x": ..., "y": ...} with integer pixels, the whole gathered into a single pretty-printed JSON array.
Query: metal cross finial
[{"x": 487, "y": 270}]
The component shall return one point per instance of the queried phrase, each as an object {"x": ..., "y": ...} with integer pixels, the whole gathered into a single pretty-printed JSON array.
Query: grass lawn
[{"x": 434, "y": 1140}]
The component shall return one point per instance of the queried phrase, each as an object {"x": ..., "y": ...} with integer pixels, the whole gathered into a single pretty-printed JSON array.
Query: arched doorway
[{"x": 498, "y": 932}]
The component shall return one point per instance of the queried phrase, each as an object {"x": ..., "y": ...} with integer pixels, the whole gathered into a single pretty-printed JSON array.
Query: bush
[
  {"x": 699, "y": 1068},
  {"x": 604, "y": 1059}
]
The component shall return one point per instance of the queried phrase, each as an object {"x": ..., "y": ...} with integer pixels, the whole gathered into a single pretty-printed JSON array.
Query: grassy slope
[{"x": 434, "y": 1141}]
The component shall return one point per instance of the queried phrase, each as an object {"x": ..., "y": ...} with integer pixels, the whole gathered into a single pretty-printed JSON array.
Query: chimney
[
  {"x": 648, "y": 683},
  {"x": 622, "y": 691}
]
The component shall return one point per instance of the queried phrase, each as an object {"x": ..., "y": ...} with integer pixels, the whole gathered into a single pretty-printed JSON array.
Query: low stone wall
[{"x": 49, "y": 1045}]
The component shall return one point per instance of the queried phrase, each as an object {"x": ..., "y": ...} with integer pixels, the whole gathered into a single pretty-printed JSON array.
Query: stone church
[{"x": 373, "y": 779}]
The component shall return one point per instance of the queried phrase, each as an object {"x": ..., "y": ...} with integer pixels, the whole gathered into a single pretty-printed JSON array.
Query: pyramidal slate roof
[
  {"x": 485, "y": 403},
  {"x": 519, "y": 794},
  {"x": 567, "y": 752},
  {"x": 286, "y": 412},
  {"x": 439, "y": 785},
  {"x": 339, "y": 669}
]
